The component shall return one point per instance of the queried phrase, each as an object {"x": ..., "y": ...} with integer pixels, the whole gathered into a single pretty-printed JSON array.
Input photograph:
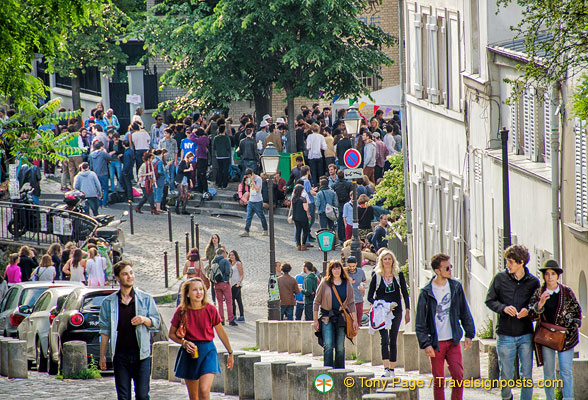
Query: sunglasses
[{"x": 447, "y": 269}]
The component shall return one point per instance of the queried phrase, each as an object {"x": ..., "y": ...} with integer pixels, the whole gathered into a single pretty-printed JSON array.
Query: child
[{"x": 13, "y": 274}]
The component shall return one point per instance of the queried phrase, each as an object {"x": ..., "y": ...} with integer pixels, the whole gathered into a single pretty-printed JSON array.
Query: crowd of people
[
  {"x": 90, "y": 265},
  {"x": 443, "y": 317}
]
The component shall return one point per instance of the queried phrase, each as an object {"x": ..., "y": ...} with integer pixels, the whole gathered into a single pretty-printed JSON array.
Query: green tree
[
  {"x": 94, "y": 44},
  {"x": 556, "y": 43},
  {"x": 391, "y": 191},
  {"x": 31, "y": 27},
  {"x": 22, "y": 138},
  {"x": 228, "y": 50}
]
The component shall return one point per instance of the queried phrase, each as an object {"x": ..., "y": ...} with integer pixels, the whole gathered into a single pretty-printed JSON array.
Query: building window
[
  {"x": 581, "y": 174},
  {"x": 430, "y": 57},
  {"x": 530, "y": 125},
  {"x": 370, "y": 81}
]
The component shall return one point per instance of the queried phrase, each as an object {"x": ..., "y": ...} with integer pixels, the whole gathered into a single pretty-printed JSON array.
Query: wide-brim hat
[{"x": 551, "y": 264}]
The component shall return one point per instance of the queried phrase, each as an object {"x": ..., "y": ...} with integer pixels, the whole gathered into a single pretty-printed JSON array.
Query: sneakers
[
  {"x": 240, "y": 319},
  {"x": 388, "y": 373},
  {"x": 233, "y": 323},
  {"x": 264, "y": 233},
  {"x": 244, "y": 234}
]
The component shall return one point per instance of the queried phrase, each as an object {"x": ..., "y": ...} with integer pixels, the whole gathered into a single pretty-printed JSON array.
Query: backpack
[{"x": 216, "y": 274}]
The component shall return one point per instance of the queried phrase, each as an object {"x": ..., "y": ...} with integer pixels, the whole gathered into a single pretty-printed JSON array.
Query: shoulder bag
[
  {"x": 330, "y": 211},
  {"x": 349, "y": 331},
  {"x": 181, "y": 331},
  {"x": 290, "y": 213},
  {"x": 550, "y": 335}
]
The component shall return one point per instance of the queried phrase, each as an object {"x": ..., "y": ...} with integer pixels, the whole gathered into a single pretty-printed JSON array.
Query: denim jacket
[{"x": 144, "y": 306}]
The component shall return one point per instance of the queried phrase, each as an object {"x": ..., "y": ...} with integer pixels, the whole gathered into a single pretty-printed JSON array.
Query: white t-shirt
[
  {"x": 315, "y": 142},
  {"x": 442, "y": 323},
  {"x": 254, "y": 195},
  {"x": 141, "y": 140}
]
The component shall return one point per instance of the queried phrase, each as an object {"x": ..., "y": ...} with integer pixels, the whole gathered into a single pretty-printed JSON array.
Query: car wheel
[
  {"x": 52, "y": 366},
  {"x": 40, "y": 358}
]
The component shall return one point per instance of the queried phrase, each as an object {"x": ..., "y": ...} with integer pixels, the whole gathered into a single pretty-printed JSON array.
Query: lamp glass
[
  {"x": 352, "y": 121},
  {"x": 270, "y": 159}
]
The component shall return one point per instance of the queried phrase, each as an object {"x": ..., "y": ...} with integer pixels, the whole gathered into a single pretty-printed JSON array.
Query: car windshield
[
  {"x": 93, "y": 302},
  {"x": 30, "y": 296}
]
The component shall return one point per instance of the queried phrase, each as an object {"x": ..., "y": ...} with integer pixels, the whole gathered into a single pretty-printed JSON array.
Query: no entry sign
[{"x": 352, "y": 158}]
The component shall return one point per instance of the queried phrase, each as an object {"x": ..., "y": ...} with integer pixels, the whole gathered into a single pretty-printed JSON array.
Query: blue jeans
[
  {"x": 104, "y": 183},
  {"x": 326, "y": 222},
  {"x": 248, "y": 164},
  {"x": 128, "y": 367},
  {"x": 507, "y": 348},
  {"x": 255, "y": 207},
  {"x": 299, "y": 311},
  {"x": 311, "y": 211},
  {"x": 172, "y": 177},
  {"x": 36, "y": 199},
  {"x": 333, "y": 339},
  {"x": 287, "y": 313},
  {"x": 91, "y": 204},
  {"x": 565, "y": 372},
  {"x": 115, "y": 167}
]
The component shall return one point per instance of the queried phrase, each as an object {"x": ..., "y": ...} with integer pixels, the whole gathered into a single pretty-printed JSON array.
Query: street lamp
[
  {"x": 352, "y": 124},
  {"x": 270, "y": 161}
]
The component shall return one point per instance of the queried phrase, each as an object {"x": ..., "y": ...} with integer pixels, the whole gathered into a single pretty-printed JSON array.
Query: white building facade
[{"x": 456, "y": 105}]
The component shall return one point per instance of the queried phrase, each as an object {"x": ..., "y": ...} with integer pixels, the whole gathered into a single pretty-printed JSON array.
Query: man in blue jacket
[
  {"x": 127, "y": 318},
  {"x": 88, "y": 182},
  {"x": 127, "y": 169},
  {"x": 441, "y": 308}
]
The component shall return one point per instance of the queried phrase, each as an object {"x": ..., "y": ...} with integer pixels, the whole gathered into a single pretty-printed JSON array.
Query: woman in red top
[{"x": 197, "y": 360}]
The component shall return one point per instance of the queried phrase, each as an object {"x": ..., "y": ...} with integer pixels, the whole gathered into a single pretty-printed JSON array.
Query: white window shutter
[
  {"x": 547, "y": 115},
  {"x": 500, "y": 248},
  {"x": 421, "y": 230},
  {"x": 418, "y": 56},
  {"x": 529, "y": 123},
  {"x": 514, "y": 125},
  {"x": 580, "y": 180},
  {"x": 433, "y": 232},
  {"x": 433, "y": 60},
  {"x": 458, "y": 253},
  {"x": 444, "y": 61}
]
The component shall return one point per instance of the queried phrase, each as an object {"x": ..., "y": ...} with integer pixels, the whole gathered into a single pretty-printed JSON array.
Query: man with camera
[{"x": 255, "y": 204}]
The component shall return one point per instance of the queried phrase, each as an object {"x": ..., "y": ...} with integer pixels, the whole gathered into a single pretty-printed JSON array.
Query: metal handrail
[{"x": 29, "y": 223}]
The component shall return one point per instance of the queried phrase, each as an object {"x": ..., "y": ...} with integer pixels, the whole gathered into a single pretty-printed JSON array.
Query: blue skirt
[{"x": 193, "y": 368}]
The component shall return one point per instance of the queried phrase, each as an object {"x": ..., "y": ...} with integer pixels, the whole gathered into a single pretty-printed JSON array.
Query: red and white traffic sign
[{"x": 352, "y": 158}]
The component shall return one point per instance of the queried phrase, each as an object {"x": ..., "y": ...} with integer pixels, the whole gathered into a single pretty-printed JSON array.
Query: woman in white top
[
  {"x": 75, "y": 267},
  {"x": 45, "y": 271},
  {"x": 236, "y": 281},
  {"x": 95, "y": 268}
]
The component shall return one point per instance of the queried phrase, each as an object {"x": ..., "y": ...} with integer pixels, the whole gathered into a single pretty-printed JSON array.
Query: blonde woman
[
  {"x": 75, "y": 267},
  {"x": 95, "y": 266},
  {"x": 388, "y": 284},
  {"x": 197, "y": 360}
]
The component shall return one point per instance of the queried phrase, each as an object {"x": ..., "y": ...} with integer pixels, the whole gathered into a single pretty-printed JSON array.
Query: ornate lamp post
[
  {"x": 270, "y": 161},
  {"x": 352, "y": 124}
]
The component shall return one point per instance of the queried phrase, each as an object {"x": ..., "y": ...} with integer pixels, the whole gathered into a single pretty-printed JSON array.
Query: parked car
[
  {"x": 18, "y": 303},
  {"x": 78, "y": 320},
  {"x": 35, "y": 328}
]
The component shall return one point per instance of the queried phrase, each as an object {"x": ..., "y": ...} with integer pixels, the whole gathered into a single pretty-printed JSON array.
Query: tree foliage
[
  {"x": 31, "y": 27},
  {"x": 93, "y": 44},
  {"x": 391, "y": 191},
  {"x": 22, "y": 138},
  {"x": 227, "y": 50},
  {"x": 556, "y": 40}
]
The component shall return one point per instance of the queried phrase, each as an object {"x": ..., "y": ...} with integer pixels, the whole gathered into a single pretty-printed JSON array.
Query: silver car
[
  {"x": 35, "y": 328},
  {"x": 18, "y": 303}
]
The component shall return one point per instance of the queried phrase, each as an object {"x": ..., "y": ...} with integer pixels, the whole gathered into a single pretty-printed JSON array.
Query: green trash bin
[{"x": 284, "y": 165}]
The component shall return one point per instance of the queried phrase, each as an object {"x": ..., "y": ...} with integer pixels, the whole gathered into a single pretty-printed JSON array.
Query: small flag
[
  {"x": 362, "y": 105},
  {"x": 335, "y": 98},
  {"x": 351, "y": 101},
  {"x": 376, "y": 108},
  {"x": 321, "y": 93},
  {"x": 387, "y": 112}
]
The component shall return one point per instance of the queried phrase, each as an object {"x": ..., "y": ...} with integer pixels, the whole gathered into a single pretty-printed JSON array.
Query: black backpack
[{"x": 216, "y": 274}]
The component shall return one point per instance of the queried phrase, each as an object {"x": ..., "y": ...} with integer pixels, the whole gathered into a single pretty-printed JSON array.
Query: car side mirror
[{"x": 24, "y": 309}]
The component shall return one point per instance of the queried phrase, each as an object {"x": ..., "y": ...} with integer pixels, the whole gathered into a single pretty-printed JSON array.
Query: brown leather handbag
[
  {"x": 550, "y": 335},
  {"x": 349, "y": 331},
  {"x": 181, "y": 331}
]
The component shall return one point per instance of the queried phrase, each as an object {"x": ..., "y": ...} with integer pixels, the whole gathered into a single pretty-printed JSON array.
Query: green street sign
[{"x": 325, "y": 239}]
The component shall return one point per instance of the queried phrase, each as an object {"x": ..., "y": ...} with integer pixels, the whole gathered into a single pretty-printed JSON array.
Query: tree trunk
[
  {"x": 263, "y": 105},
  {"x": 75, "y": 89},
  {"x": 291, "y": 118}
]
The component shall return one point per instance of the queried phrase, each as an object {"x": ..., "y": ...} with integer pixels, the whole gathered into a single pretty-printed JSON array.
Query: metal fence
[{"x": 27, "y": 223}]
